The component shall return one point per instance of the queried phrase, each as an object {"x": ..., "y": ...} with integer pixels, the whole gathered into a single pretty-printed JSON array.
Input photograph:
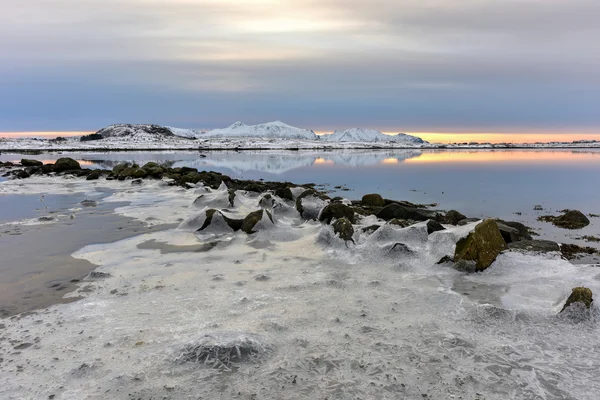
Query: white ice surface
[{"x": 341, "y": 320}]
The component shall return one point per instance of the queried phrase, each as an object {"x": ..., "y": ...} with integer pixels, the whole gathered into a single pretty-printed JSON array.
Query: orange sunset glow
[{"x": 518, "y": 156}]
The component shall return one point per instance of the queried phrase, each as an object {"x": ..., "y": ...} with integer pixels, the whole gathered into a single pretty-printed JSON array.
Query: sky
[{"x": 510, "y": 66}]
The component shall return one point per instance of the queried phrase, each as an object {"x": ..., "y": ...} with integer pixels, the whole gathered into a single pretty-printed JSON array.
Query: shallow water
[{"x": 334, "y": 320}]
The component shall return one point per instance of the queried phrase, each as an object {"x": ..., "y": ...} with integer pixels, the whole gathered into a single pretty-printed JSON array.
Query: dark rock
[
  {"x": 311, "y": 213},
  {"x": 66, "y": 164},
  {"x": 150, "y": 165},
  {"x": 120, "y": 167},
  {"x": 99, "y": 275},
  {"x": 139, "y": 173},
  {"x": 445, "y": 259},
  {"x": 373, "y": 200},
  {"x": 336, "y": 211},
  {"x": 539, "y": 246},
  {"x": 399, "y": 248},
  {"x": 524, "y": 232},
  {"x": 397, "y": 211},
  {"x": 47, "y": 168},
  {"x": 579, "y": 295},
  {"x": 136, "y": 182},
  {"x": 154, "y": 172},
  {"x": 235, "y": 224},
  {"x": 482, "y": 245},
  {"x": 573, "y": 251},
  {"x": 452, "y": 217},
  {"x": 371, "y": 228},
  {"x": 31, "y": 163},
  {"x": 509, "y": 234},
  {"x": 467, "y": 221},
  {"x": 21, "y": 174},
  {"x": 343, "y": 227},
  {"x": 399, "y": 222},
  {"x": 94, "y": 175},
  {"x": 571, "y": 219},
  {"x": 284, "y": 193},
  {"x": 252, "y": 219},
  {"x": 434, "y": 226},
  {"x": 190, "y": 177}
]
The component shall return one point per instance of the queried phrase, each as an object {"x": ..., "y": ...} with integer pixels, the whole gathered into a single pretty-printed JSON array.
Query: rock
[
  {"x": 150, "y": 165},
  {"x": 66, "y": 164},
  {"x": 235, "y": 224},
  {"x": 139, "y": 173},
  {"x": 31, "y": 163},
  {"x": 47, "y": 168},
  {"x": 482, "y": 245},
  {"x": 434, "y": 226},
  {"x": 579, "y": 295},
  {"x": 539, "y": 246},
  {"x": 336, "y": 211},
  {"x": 452, "y": 217},
  {"x": 573, "y": 251},
  {"x": 309, "y": 204},
  {"x": 399, "y": 222},
  {"x": 343, "y": 227},
  {"x": 371, "y": 228},
  {"x": 126, "y": 173},
  {"x": 192, "y": 177},
  {"x": 572, "y": 219},
  {"x": 252, "y": 219},
  {"x": 467, "y": 221},
  {"x": 94, "y": 175},
  {"x": 120, "y": 167},
  {"x": 373, "y": 200},
  {"x": 509, "y": 234},
  {"x": 136, "y": 182},
  {"x": 397, "y": 211},
  {"x": 154, "y": 172},
  {"x": 284, "y": 193},
  {"x": 21, "y": 174},
  {"x": 523, "y": 231}
]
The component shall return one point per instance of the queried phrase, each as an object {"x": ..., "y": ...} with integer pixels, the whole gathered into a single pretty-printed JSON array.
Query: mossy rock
[
  {"x": 149, "y": 165},
  {"x": 482, "y": 245},
  {"x": 190, "y": 177},
  {"x": 235, "y": 224},
  {"x": 31, "y": 163},
  {"x": 373, "y": 200},
  {"x": 66, "y": 164},
  {"x": 252, "y": 219},
  {"x": 120, "y": 167},
  {"x": 126, "y": 173},
  {"x": 284, "y": 193},
  {"x": 140, "y": 173},
  {"x": 343, "y": 227},
  {"x": 452, "y": 217},
  {"x": 154, "y": 172},
  {"x": 336, "y": 211},
  {"x": 572, "y": 219},
  {"x": 579, "y": 295}
]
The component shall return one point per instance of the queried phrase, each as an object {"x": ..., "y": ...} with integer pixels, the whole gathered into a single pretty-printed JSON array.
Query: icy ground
[{"x": 311, "y": 316}]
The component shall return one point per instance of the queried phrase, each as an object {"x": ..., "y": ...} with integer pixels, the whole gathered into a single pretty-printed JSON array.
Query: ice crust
[{"x": 327, "y": 318}]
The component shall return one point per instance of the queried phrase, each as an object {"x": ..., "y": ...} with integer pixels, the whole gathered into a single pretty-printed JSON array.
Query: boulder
[
  {"x": 94, "y": 175},
  {"x": 21, "y": 174},
  {"x": 572, "y": 219},
  {"x": 252, "y": 219},
  {"x": 509, "y": 234},
  {"x": 150, "y": 165},
  {"x": 579, "y": 295},
  {"x": 139, "y": 173},
  {"x": 309, "y": 204},
  {"x": 47, "y": 168},
  {"x": 452, "y": 217},
  {"x": 126, "y": 173},
  {"x": 402, "y": 223},
  {"x": 234, "y": 224},
  {"x": 481, "y": 246},
  {"x": 284, "y": 193},
  {"x": 66, "y": 164},
  {"x": 154, "y": 172},
  {"x": 523, "y": 231},
  {"x": 467, "y": 221},
  {"x": 120, "y": 167},
  {"x": 336, "y": 211},
  {"x": 434, "y": 226},
  {"x": 400, "y": 212},
  {"x": 31, "y": 163},
  {"x": 343, "y": 227},
  {"x": 538, "y": 246},
  {"x": 373, "y": 200}
]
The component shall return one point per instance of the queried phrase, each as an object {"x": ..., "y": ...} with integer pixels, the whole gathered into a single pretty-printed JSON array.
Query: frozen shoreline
[{"x": 335, "y": 319}]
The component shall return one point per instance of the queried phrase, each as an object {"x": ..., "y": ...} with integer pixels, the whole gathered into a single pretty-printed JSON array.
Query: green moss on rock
[
  {"x": 579, "y": 295},
  {"x": 336, "y": 211},
  {"x": 343, "y": 227},
  {"x": 481, "y": 246}
]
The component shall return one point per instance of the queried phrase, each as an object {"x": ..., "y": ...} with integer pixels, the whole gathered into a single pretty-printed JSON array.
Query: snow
[
  {"x": 275, "y": 129},
  {"x": 239, "y": 136},
  {"x": 369, "y": 135}
]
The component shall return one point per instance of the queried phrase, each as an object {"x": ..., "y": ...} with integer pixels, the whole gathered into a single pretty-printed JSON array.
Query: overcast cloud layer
[{"x": 411, "y": 65}]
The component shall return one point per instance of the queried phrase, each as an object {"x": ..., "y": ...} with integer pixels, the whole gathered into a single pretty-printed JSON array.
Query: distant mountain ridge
[{"x": 269, "y": 130}]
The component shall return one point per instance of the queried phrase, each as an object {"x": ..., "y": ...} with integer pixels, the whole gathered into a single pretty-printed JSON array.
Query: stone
[
  {"x": 579, "y": 295},
  {"x": 120, "y": 167},
  {"x": 572, "y": 219},
  {"x": 126, "y": 173},
  {"x": 309, "y": 204},
  {"x": 336, "y": 211},
  {"x": 400, "y": 212},
  {"x": 434, "y": 226},
  {"x": 523, "y": 231},
  {"x": 373, "y": 200},
  {"x": 538, "y": 246},
  {"x": 94, "y": 175},
  {"x": 251, "y": 220},
  {"x": 509, "y": 234},
  {"x": 343, "y": 228},
  {"x": 467, "y": 221},
  {"x": 482, "y": 245},
  {"x": 31, "y": 163},
  {"x": 66, "y": 164},
  {"x": 139, "y": 173},
  {"x": 284, "y": 193},
  {"x": 47, "y": 168},
  {"x": 452, "y": 217}
]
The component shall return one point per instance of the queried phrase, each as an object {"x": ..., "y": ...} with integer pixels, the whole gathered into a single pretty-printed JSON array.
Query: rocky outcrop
[
  {"x": 66, "y": 164},
  {"x": 481, "y": 246},
  {"x": 581, "y": 295},
  {"x": 336, "y": 211},
  {"x": 401, "y": 212},
  {"x": 571, "y": 219},
  {"x": 373, "y": 200},
  {"x": 434, "y": 226},
  {"x": 452, "y": 217},
  {"x": 536, "y": 246},
  {"x": 343, "y": 228}
]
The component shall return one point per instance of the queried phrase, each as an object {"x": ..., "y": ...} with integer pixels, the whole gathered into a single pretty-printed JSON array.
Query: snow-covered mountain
[
  {"x": 276, "y": 129},
  {"x": 369, "y": 135},
  {"x": 123, "y": 130}
]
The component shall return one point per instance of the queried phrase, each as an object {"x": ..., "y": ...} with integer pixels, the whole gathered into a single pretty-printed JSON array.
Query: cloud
[{"x": 426, "y": 64}]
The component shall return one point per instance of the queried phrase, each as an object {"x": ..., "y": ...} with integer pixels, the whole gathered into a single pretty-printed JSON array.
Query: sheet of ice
[{"x": 339, "y": 320}]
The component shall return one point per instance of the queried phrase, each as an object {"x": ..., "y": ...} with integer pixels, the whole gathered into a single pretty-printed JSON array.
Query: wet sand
[{"x": 37, "y": 268}]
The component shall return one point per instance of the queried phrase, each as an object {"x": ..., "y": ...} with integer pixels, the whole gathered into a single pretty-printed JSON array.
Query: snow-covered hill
[
  {"x": 276, "y": 129},
  {"x": 369, "y": 136}
]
